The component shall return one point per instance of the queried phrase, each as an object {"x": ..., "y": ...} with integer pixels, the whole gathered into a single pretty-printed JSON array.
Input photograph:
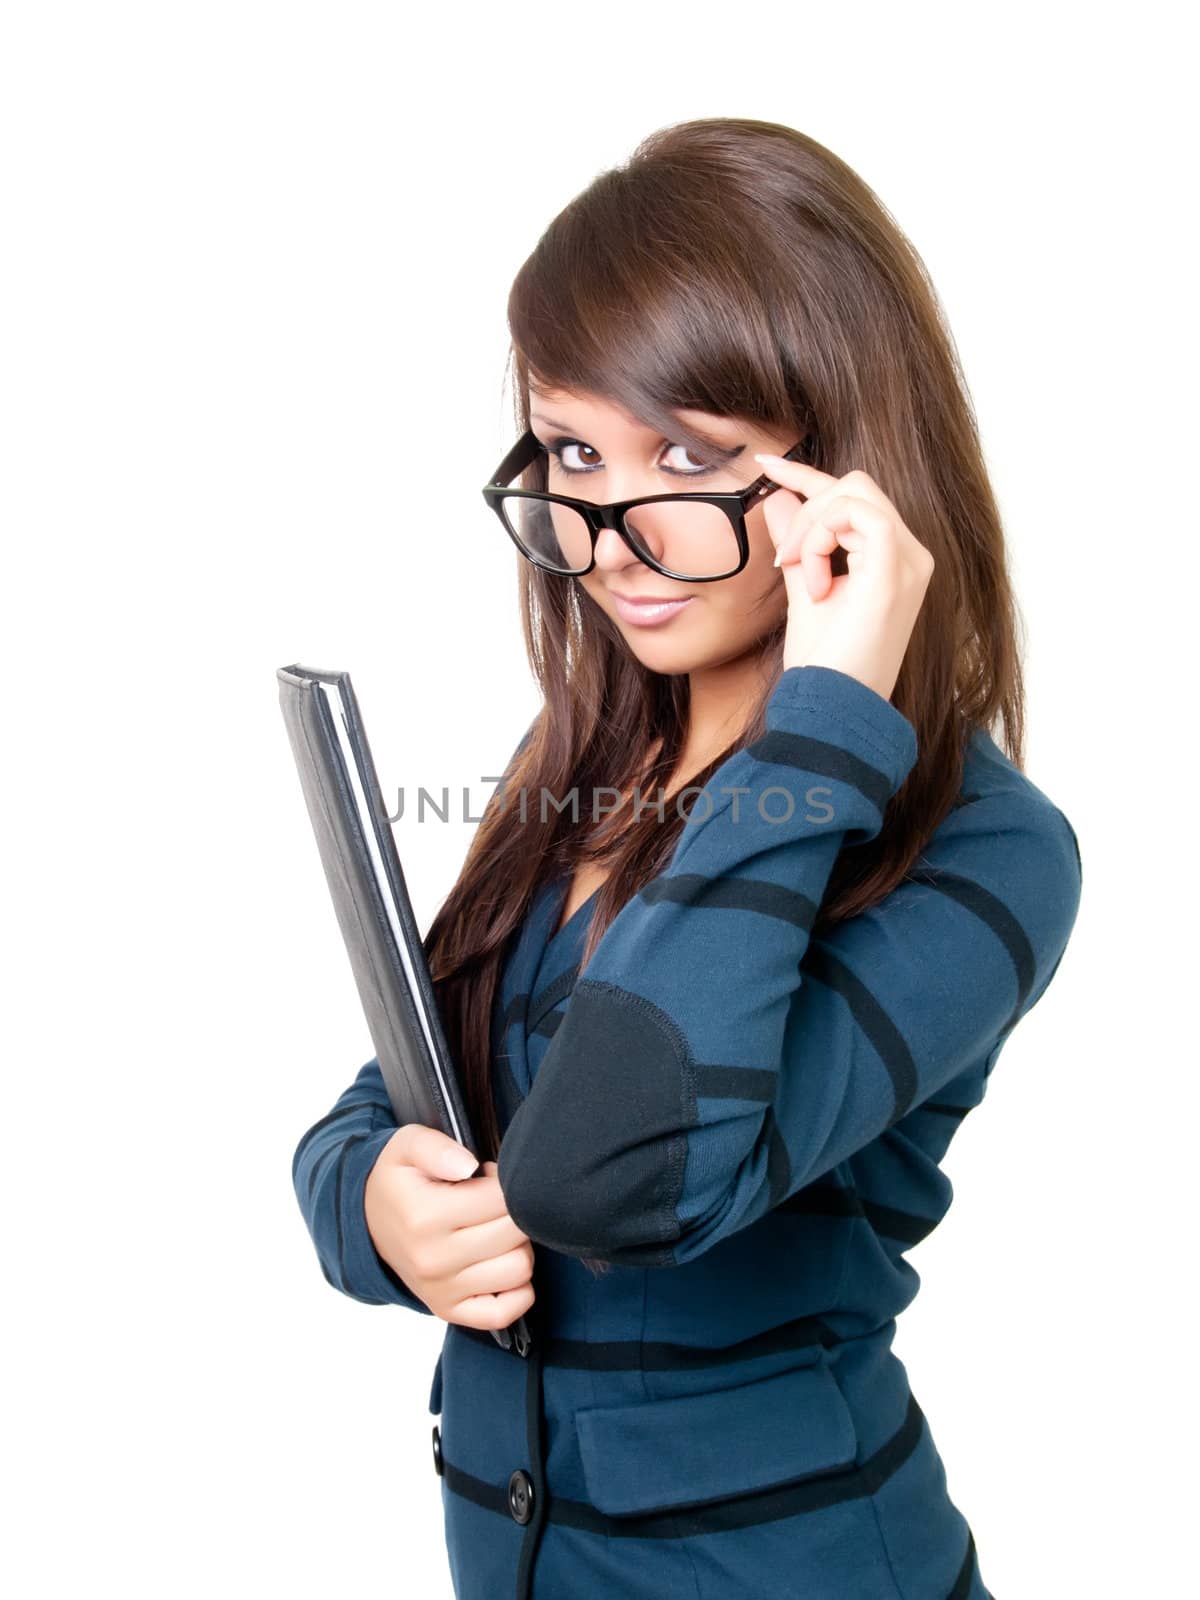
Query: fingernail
[{"x": 765, "y": 456}]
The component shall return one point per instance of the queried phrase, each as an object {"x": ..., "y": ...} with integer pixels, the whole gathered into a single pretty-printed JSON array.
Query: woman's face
[{"x": 598, "y": 453}]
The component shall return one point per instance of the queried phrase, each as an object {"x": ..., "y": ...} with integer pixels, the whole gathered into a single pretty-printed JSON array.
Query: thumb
[
  {"x": 458, "y": 1162},
  {"x": 436, "y": 1154}
]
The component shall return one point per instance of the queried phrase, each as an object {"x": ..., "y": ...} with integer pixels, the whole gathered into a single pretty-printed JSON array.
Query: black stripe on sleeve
[
  {"x": 732, "y": 894},
  {"x": 778, "y": 747}
]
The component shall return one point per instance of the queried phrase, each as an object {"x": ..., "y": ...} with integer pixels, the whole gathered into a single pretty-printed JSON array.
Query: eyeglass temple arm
[{"x": 518, "y": 458}]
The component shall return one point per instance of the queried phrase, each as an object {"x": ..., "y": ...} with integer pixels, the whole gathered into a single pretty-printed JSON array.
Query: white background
[{"x": 255, "y": 264}]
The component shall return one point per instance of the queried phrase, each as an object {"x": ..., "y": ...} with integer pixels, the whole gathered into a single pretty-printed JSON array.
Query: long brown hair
[{"x": 739, "y": 268}]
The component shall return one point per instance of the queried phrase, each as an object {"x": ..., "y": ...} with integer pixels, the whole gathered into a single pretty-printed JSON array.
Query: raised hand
[{"x": 859, "y": 622}]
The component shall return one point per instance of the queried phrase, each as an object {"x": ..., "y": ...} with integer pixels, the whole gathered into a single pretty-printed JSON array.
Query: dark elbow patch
[{"x": 601, "y": 1164}]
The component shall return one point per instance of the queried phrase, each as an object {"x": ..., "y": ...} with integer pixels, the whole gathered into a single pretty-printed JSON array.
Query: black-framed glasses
[{"x": 695, "y": 537}]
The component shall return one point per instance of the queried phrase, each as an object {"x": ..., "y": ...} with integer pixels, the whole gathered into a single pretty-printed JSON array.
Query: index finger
[{"x": 795, "y": 474}]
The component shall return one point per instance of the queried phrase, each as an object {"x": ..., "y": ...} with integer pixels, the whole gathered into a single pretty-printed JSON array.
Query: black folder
[{"x": 366, "y": 884}]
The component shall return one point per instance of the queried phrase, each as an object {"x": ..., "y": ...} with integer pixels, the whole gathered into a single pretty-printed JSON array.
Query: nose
[{"x": 612, "y": 553}]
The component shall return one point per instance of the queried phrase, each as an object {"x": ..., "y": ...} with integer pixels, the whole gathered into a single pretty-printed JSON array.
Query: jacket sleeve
[
  {"x": 329, "y": 1174},
  {"x": 701, "y": 1074}
]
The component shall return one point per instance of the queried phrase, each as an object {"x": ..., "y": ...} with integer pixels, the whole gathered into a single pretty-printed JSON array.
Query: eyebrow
[{"x": 726, "y": 451}]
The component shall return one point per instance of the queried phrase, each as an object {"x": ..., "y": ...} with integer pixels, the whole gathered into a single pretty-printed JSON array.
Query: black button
[
  {"x": 437, "y": 1450},
  {"x": 520, "y": 1496}
]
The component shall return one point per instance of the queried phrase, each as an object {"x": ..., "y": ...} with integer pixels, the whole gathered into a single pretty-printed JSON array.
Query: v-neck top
[
  {"x": 574, "y": 930},
  {"x": 538, "y": 975}
]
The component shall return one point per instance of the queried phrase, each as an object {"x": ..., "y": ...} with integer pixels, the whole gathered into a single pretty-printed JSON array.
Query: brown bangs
[{"x": 602, "y": 307}]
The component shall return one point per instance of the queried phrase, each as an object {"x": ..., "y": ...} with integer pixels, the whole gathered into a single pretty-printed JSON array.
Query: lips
[{"x": 645, "y": 612}]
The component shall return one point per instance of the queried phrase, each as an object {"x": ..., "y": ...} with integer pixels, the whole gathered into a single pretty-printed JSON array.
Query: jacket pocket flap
[{"x": 658, "y": 1454}]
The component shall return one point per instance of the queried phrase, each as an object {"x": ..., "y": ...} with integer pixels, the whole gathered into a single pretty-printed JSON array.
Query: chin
[
  {"x": 675, "y": 657},
  {"x": 660, "y": 655}
]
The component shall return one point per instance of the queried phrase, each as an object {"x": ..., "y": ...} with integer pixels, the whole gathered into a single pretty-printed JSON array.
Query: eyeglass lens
[{"x": 689, "y": 538}]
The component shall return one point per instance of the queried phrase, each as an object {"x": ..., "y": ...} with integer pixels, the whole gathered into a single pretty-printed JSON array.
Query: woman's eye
[
  {"x": 696, "y": 468},
  {"x": 560, "y": 446}
]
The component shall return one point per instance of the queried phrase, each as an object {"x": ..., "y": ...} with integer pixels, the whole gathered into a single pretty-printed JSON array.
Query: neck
[{"x": 721, "y": 698}]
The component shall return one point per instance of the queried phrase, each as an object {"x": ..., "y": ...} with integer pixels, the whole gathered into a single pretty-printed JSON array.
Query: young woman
[{"x": 720, "y": 1014}]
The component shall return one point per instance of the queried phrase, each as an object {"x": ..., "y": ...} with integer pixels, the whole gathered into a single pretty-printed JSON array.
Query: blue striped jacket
[{"x": 764, "y": 1114}]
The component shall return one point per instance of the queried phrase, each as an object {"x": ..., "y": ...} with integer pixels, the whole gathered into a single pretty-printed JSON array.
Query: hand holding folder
[{"x": 366, "y": 883}]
